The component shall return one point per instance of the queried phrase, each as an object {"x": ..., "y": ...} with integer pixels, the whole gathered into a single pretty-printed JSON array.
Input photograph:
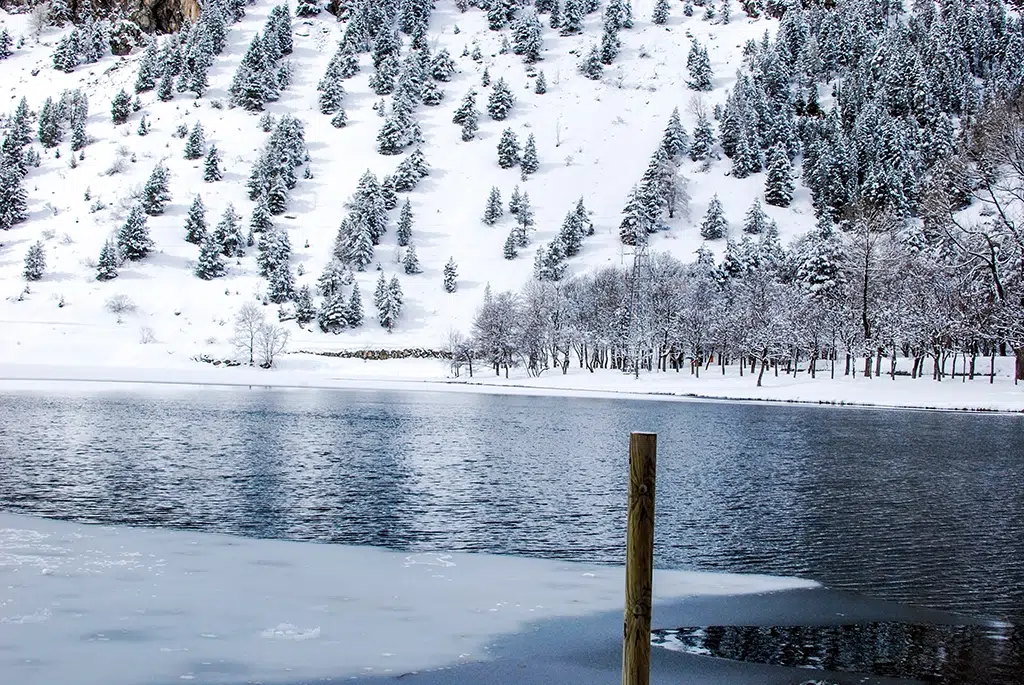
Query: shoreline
[{"x": 426, "y": 376}]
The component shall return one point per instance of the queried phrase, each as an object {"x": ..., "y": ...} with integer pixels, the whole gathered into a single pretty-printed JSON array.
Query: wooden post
[{"x": 636, "y": 631}]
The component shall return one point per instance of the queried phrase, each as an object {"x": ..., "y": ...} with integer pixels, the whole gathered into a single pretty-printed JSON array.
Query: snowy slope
[{"x": 607, "y": 131}]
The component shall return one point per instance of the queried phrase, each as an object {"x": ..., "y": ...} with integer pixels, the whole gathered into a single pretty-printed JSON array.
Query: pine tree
[
  {"x": 466, "y": 109},
  {"x": 261, "y": 221},
  {"x": 508, "y": 149},
  {"x": 541, "y": 86},
  {"x": 307, "y": 8},
  {"x": 149, "y": 69},
  {"x": 51, "y": 129},
  {"x": 380, "y": 292},
  {"x": 121, "y": 107},
  {"x": 674, "y": 141},
  {"x": 106, "y": 266},
  {"x": 724, "y": 11},
  {"x": 165, "y": 88},
  {"x": 485, "y": 78},
  {"x": 354, "y": 308},
  {"x": 500, "y": 100},
  {"x": 6, "y": 43},
  {"x": 515, "y": 201},
  {"x": 382, "y": 80},
  {"x": 571, "y": 235},
  {"x": 305, "y": 310},
  {"x": 210, "y": 264},
  {"x": 527, "y": 34},
  {"x": 195, "y": 222},
  {"x": 555, "y": 20},
  {"x": 715, "y": 226},
  {"x": 79, "y": 139},
  {"x": 143, "y": 129},
  {"x": 65, "y": 56},
  {"x": 411, "y": 262},
  {"x": 404, "y": 232},
  {"x": 660, "y": 15},
  {"x": 156, "y": 192},
  {"x": 451, "y": 273},
  {"x": 35, "y": 262},
  {"x": 20, "y": 131},
  {"x": 195, "y": 144},
  {"x": 591, "y": 66},
  {"x": 133, "y": 239},
  {"x": 277, "y": 196},
  {"x": 703, "y": 139},
  {"x": 442, "y": 66},
  {"x": 387, "y": 193},
  {"x": 58, "y": 13},
  {"x": 610, "y": 43},
  {"x": 510, "y": 250},
  {"x": 571, "y": 19},
  {"x": 332, "y": 316},
  {"x": 778, "y": 189},
  {"x": 432, "y": 94},
  {"x": 524, "y": 217},
  {"x": 530, "y": 163},
  {"x": 699, "y": 66},
  {"x": 280, "y": 284},
  {"x": 494, "y": 208},
  {"x": 211, "y": 168},
  {"x": 756, "y": 221},
  {"x": 470, "y": 126},
  {"x": 391, "y": 305}
]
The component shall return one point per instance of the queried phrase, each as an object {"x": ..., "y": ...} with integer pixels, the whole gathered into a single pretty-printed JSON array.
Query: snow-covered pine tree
[
  {"x": 660, "y": 14},
  {"x": 354, "y": 309},
  {"x": 555, "y": 20},
  {"x": 35, "y": 262},
  {"x": 511, "y": 248},
  {"x": 277, "y": 196},
  {"x": 405, "y": 219},
  {"x": 281, "y": 284},
  {"x": 211, "y": 167},
  {"x": 715, "y": 226},
  {"x": 675, "y": 141},
  {"x": 508, "y": 149},
  {"x": 228, "y": 233},
  {"x": 778, "y": 188},
  {"x": 165, "y": 87},
  {"x": 65, "y": 56},
  {"x": 332, "y": 315},
  {"x": 494, "y": 209},
  {"x": 254, "y": 81},
  {"x": 530, "y": 163},
  {"x": 470, "y": 126},
  {"x": 571, "y": 235},
  {"x": 305, "y": 310},
  {"x": 149, "y": 69},
  {"x": 156, "y": 193},
  {"x": 307, "y": 8},
  {"x": 583, "y": 217},
  {"x": 388, "y": 195},
  {"x": 6, "y": 43},
  {"x": 527, "y": 35},
  {"x": 451, "y": 274},
  {"x": 411, "y": 262},
  {"x": 500, "y": 101},
  {"x": 51, "y": 124},
  {"x": 515, "y": 201},
  {"x": 724, "y": 11},
  {"x": 755, "y": 221},
  {"x": 274, "y": 250},
  {"x": 549, "y": 264},
  {"x": 699, "y": 66},
  {"x": 133, "y": 239},
  {"x": 466, "y": 108},
  {"x": 432, "y": 94},
  {"x": 332, "y": 92},
  {"x": 58, "y": 13},
  {"x": 195, "y": 144},
  {"x": 391, "y": 305},
  {"x": 610, "y": 43},
  {"x": 121, "y": 107},
  {"x": 210, "y": 264},
  {"x": 382, "y": 80},
  {"x": 442, "y": 66},
  {"x": 524, "y": 217},
  {"x": 195, "y": 222},
  {"x": 381, "y": 291},
  {"x": 591, "y": 65},
  {"x": 106, "y": 265},
  {"x": 143, "y": 129},
  {"x": 485, "y": 78},
  {"x": 541, "y": 86},
  {"x": 333, "y": 278},
  {"x": 571, "y": 19},
  {"x": 703, "y": 139},
  {"x": 261, "y": 220}
]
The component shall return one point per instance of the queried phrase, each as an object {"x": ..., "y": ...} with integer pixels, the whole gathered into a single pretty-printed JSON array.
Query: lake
[{"x": 922, "y": 508}]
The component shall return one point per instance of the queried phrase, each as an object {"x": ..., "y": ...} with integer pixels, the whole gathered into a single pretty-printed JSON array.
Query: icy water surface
[{"x": 917, "y": 507}]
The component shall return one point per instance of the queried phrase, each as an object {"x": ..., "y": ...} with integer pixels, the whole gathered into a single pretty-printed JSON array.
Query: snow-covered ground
[
  {"x": 594, "y": 139},
  {"x": 156, "y": 366},
  {"x": 110, "y": 605}
]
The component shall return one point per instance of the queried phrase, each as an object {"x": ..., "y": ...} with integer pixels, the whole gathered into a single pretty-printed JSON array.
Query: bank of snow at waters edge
[
  {"x": 110, "y": 605},
  {"x": 149, "y": 364}
]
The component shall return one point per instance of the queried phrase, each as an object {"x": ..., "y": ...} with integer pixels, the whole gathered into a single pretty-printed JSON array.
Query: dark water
[{"x": 918, "y": 507}]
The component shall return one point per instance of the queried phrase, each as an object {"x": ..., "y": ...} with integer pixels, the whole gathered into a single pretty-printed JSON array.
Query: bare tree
[
  {"x": 39, "y": 19},
  {"x": 248, "y": 322},
  {"x": 270, "y": 341}
]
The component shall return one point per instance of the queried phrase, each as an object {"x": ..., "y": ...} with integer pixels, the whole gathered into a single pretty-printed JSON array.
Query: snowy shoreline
[{"x": 429, "y": 375}]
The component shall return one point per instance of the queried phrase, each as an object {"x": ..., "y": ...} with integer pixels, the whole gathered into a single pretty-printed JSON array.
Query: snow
[
  {"x": 109, "y": 605},
  {"x": 307, "y": 371},
  {"x": 594, "y": 139}
]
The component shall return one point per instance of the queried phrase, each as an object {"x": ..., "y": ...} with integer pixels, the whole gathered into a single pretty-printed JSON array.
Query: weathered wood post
[{"x": 636, "y": 631}]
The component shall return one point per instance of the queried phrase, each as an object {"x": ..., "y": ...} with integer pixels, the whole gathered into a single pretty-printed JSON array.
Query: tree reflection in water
[{"x": 952, "y": 654}]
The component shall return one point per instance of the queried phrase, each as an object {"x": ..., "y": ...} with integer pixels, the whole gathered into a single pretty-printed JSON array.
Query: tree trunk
[
  {"x": 878, "y": 363},
  {"x": 1019, "y": 376},
  {"x": 847, "y": 373},
  {"x": 760, "y": 375},
  {"x": 992, "y": 367}
]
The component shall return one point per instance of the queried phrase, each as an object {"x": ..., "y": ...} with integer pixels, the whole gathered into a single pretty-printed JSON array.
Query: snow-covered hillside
[{"x": 593, "y": 140}]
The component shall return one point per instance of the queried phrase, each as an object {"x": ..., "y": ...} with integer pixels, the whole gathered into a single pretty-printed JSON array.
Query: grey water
[{"x": 922, "y": 508}]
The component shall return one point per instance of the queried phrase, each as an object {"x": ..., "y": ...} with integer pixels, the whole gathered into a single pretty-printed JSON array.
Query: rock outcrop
[{"x": 162, "y": 16}]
